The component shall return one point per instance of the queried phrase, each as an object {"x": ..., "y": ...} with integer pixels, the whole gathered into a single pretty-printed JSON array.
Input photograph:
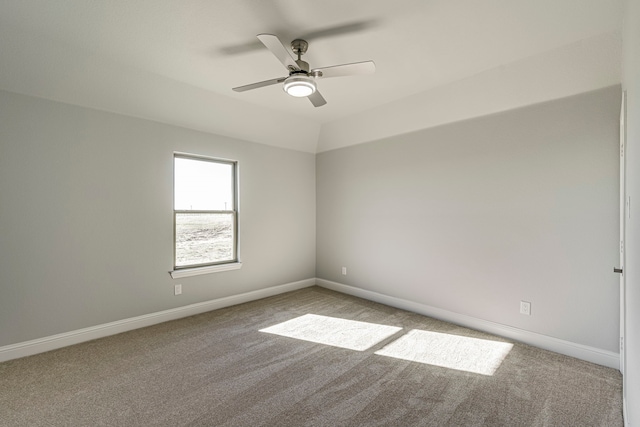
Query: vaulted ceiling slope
[{"x": 438, "y": 61}]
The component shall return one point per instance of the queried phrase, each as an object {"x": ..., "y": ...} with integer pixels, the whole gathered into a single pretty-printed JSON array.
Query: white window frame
[{"x": 197, "y": 269}]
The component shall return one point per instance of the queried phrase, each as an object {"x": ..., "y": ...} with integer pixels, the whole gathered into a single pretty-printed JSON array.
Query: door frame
[{"x": 624, "y": 210}]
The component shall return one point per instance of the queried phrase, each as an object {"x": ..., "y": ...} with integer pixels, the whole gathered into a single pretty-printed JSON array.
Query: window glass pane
[
  {"x": 204, "y": 238},
  {"x": 203, "y": 185}
]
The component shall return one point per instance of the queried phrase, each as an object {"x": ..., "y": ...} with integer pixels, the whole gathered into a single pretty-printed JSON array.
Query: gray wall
[
  {"x": 631, "y": 83},
  {"x": 475, "y": 216},
  {"x": 470, "y": 217},
  {"x": 86, "y": 217}
]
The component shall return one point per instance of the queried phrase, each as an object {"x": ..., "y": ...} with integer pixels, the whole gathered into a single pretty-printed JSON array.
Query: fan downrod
[{"x": 299, "y": 47}]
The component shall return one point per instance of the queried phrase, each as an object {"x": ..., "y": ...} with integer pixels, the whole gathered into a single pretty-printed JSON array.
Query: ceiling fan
[{"x": 301, "y": 81}]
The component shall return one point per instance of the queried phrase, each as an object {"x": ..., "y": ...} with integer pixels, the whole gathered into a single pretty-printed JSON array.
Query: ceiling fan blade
[
  {"x": 316, "y": 99},
  {"x": 356, "y": 68},
  {"x": 267, "y": 10},
  {"x": 259, "y": 84},
  {"x": 346, "y": 28},
  {"x": 276, "y": 47}
]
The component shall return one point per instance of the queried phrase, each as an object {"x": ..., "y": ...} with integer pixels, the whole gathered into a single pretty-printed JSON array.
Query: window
[{"x": 205, "y": 216}]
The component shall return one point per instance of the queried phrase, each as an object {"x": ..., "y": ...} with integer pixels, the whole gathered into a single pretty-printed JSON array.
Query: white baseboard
[
  {"x": 624, "y": 411},
  {"x": 53, "y": 342},
  {"x": 40, "y": 345},
  {"x": 590, "y": 354}
]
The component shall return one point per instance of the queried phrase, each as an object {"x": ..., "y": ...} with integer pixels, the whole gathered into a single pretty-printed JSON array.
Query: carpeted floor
[{"x": 219, "y": 369}]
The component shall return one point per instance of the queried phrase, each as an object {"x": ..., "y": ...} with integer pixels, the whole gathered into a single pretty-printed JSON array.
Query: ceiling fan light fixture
[{"x": 299, "y": 85}]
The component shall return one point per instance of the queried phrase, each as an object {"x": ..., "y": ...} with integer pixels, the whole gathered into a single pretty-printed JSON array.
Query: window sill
[{"x": 176, "y": 274}]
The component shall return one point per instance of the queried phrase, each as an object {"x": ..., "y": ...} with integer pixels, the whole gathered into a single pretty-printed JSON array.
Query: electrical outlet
[
  {"x": 344, "y": 271},
  {"x": 177, "y": 289},
  {"x": 525, "y": 308}
]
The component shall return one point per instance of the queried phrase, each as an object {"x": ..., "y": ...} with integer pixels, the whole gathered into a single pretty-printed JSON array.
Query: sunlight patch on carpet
[
  {"x": 449, "y": 351},
  {"x": 350, "y": 334}
]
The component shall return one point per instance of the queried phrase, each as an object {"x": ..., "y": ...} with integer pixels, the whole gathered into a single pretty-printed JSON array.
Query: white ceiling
[{"x": 438, "y": 61}]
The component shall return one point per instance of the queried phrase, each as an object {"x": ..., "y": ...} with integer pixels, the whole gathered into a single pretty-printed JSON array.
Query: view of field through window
[
  {"x": 204, "y": 211},
  {"x": 203, "y": 238}
]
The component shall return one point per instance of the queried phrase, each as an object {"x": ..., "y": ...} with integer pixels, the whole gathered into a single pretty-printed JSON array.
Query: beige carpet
[{"x": 276, "y": 362}]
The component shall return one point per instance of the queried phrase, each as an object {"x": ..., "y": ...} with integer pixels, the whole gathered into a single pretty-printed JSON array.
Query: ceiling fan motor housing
[{"x": 304, "y": 67}]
